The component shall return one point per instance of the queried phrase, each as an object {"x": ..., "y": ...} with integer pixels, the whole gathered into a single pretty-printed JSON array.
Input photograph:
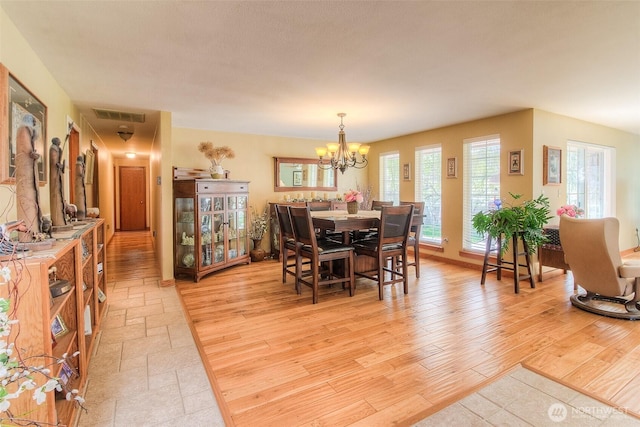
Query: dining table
[{"x": 341, "y": 221}]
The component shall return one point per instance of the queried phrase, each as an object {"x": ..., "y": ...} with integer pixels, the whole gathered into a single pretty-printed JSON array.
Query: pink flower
[
  {"x": 570, "y": 210},
  {"x": 353, "y": 196}
]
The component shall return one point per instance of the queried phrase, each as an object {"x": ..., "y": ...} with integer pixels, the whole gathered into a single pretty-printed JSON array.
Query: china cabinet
[
  {"x": 62, "y": 324},
  {"x": 210, "y": 225}
]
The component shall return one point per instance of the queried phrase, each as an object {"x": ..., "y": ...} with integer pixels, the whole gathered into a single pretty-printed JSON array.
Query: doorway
[{"x": 133, "y": 198}]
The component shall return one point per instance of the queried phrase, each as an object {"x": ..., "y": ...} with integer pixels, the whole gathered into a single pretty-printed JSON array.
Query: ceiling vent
[{"x": 121, "y": 116}]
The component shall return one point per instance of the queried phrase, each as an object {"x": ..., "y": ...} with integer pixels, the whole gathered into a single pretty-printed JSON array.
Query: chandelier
[{"x": 341, "y": 155}]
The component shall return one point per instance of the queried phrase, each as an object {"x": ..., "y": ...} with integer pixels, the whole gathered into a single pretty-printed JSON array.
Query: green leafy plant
[{"x": 528, "y": 218}]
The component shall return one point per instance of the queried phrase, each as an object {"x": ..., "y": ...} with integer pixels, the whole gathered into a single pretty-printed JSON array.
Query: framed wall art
[
  {"x": 552, "y": 165},
  {"x": 515, "y": 163},
  {"x": 17, "y": 102},
  {"x": 406, "y": 171},
  {"x": 297, "y": 178},
  {"x": 452, "y": 167}
]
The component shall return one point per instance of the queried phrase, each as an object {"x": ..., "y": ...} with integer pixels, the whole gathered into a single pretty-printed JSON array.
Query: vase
[
  {"x": 217, "y": 172},
  {"x": 352, "y": 207},
  {"x": 257, "y": 253}
]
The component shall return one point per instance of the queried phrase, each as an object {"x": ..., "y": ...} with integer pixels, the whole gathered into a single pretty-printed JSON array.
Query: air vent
[{"x": 121, "y": 116}]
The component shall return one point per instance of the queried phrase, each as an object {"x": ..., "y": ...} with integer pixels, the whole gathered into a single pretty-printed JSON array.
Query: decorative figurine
[
  {"x": 27, "y": 178},
  {"x": 56, "y": 184},
  {"x": 81, "y": 195}
]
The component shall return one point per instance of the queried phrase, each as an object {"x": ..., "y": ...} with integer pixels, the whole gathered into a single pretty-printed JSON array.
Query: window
[
  {"x": 429, "y": 190},
  {"x": 590, "y": 179},
  {"x": 481, "y": 186},
  {"x": 390, "y": 177}
]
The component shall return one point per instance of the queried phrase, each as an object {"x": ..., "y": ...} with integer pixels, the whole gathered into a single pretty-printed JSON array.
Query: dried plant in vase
[{"x": 216, "y": 155}]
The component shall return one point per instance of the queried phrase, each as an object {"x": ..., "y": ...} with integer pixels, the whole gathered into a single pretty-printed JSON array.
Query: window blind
[
  {"x": 590, "y": 179},
  {"x": 481, "y": 184},
  {"x": 390, "y": 177},
  {"x": 428, "y": 181}
]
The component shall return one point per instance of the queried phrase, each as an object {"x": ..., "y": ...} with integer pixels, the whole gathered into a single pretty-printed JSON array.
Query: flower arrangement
[
  {"x": 215, "y": 154},
  {"x": 17, "y": 376},
  {"x": 570, "y": 210},
  {"x": 353, "y": 196},
  {"x": 259, "y": 223}
]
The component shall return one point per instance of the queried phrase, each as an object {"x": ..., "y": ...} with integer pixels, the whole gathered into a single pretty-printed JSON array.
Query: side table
[{"x": 551, "y": 254}]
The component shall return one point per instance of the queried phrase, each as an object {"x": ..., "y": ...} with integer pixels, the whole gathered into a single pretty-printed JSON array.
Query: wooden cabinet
[
  {"x": 54, "y": 326},
  {"x": 211, "y": 220}
]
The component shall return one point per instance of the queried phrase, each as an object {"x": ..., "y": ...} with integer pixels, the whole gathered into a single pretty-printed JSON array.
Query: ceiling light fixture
[
  {"x": 130, "y": 155},
  {"x": 341, "y": 155},
  {"x": 125, "y": 135}
]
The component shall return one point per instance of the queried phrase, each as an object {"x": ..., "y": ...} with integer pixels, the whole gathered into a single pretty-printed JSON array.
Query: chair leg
[
  {"x": 316, "y": 272},
  {"x": 405, "y": 272},
  {"x": 352, "y": 276},
  {"x": 380, "y": 276},
  {"x": 416, "y": 256}
]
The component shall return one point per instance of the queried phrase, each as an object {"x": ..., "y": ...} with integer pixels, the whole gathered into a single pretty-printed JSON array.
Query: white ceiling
[{"x": 286, "y": 68}]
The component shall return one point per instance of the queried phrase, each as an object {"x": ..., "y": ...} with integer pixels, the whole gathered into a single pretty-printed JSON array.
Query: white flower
[
  {"x": 4, "y": 405},
  {"x": 5, "y": 273}
]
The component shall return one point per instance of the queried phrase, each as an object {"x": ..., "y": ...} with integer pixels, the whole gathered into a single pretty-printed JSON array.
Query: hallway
[{"x": 146, "y": 370}]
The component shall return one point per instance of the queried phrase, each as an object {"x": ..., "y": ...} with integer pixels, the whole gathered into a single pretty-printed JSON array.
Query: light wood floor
[{"x": 276, "y": 359}]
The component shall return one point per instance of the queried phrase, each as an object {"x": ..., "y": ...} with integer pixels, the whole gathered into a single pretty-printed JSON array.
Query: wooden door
[{"x": 133, "y": 198}]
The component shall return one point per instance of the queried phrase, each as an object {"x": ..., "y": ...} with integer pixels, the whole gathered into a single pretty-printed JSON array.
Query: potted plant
[
  {"x": 527, "y": 218},
  {"x": 259, "y": 223}
]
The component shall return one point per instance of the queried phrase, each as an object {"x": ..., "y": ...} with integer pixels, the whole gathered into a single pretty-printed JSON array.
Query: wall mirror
[{"x": 299, "y": 174}]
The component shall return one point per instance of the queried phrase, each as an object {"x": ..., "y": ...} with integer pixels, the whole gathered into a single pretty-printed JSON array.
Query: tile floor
[
  {"x": 524, "y": 398},
  {"x": 146, "y": 369}
]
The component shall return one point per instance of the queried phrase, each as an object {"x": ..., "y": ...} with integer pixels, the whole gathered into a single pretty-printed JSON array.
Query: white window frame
[
  {"x": 390, "y": 178},
  {"x": 480, "y": 188},
  {"x": 431, "y": 194},
  {"x": 596, "y": 196}
]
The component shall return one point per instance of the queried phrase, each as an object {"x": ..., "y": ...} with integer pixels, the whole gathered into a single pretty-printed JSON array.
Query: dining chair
[
  {"x": 319, "y": 206},
  {"x": 377, "y": 205},
  {"x": 414, "y": 233},
  {"x": 372, "y": 233},
  {"x": 288, "y": 246},
  {"x": 322, "y": 253},
  {"x": 389, "y": 249}
]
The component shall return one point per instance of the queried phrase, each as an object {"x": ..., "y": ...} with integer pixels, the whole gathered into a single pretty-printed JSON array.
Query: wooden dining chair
[
  {"x": 322, "y": 253},
  {"x": 414, "y": 233},
  {"x": 319, "y": 206},
  {"x": 288, "y": 246},
  {"x": 372, "y": 233},
  {"x": 389, "y": 250}
]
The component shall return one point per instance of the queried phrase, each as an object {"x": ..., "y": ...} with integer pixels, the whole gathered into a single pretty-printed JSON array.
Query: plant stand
[{"x": 514, "y": 265}]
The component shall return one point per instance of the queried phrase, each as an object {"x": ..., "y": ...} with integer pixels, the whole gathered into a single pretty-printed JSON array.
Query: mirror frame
[{"x": 276, "y": 168}]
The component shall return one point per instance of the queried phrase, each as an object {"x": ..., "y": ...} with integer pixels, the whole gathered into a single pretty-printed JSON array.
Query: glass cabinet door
[
  {"x": 185, "y": 233},
  {"x": 242, "y": 225},
  {"x": 206, "y": 251},
  {"x": 218, "y": 229}
]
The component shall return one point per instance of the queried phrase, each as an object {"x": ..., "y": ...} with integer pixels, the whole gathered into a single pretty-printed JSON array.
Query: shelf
[{"x": 59, "y": 302}]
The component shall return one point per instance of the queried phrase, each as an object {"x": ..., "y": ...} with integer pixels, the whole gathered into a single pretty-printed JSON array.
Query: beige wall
[
  {"x": 555, "y": 130},
  {"x": 528, "y": 130},
  {"x": 515, "y": 131}
]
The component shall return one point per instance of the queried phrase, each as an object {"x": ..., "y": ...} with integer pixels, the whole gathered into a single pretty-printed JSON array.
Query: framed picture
[
  {"x": 66, "y": 373},
  {"x": 552, "y": 165},
  {"x": 406, "y": 172},
  {"x": 452, "y": 167},
  {"x": 58, "y": 327},
  {"x": 297, "y": 178},
  {"x": 515, "y": 163},
  {"x": 20, "y": 103}
]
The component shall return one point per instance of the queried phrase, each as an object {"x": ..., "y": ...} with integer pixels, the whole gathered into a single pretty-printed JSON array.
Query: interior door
[{"x": 133, "y": 198}]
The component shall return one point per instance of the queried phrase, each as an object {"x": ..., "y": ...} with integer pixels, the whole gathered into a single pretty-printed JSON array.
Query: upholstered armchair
[{"x": 591, "y": 250}]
